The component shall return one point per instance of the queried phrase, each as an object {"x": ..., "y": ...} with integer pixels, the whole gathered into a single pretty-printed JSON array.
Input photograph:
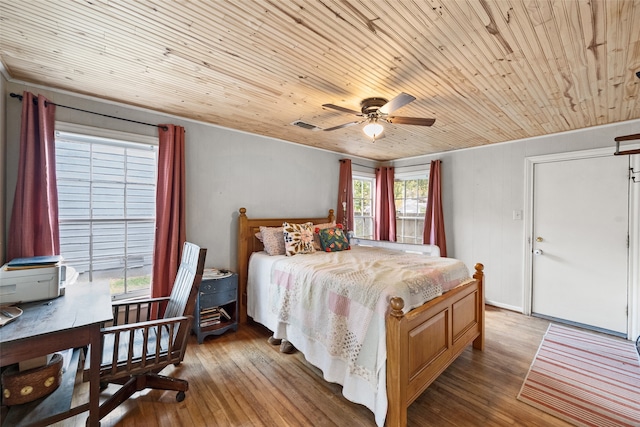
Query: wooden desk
[{"x": 69, "y": 321}]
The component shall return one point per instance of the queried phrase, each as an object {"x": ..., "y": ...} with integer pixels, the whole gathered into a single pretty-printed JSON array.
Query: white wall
[
  {"x": 481, "y": 189},
  {"x": 226, "y": 170}
]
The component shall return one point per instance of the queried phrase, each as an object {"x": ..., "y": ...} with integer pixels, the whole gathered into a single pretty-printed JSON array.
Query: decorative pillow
[
  {"x": 334, "y": 239},
  {"x": 298, "y": 238},
  {"x": 316, "y": 237},
  {"x": 273, "y": 240}
]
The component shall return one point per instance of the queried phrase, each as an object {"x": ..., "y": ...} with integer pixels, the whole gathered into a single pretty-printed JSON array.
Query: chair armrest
[
  {"x": 147, "y": 324},
  {"x": 138, "y": 346}
]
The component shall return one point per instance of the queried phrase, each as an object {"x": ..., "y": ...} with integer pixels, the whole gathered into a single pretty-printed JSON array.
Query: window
[
  {"x": 363, "y": 206},
  {"x": 106, "y": 202},
  {"x": 410, "y": 193}
]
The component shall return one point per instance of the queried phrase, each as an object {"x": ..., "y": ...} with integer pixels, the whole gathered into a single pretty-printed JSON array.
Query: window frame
[
  {"x": 115, "y": 138},
  {"x": 368, "y": 177},
  {"x": 403, "y": 221}
]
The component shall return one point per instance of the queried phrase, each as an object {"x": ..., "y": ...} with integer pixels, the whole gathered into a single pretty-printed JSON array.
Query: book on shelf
[
  {"x": 205, "y": 323},
  {"x": 214, "y": 312},
  {"x": 211, "y": 320},
  {"x": 224, "y": 313},
  {"x": 215, "y": 315}
]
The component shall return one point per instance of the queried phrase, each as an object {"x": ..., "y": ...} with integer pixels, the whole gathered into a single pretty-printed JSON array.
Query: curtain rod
[
  {"x": 355, "y": 164},
  {"x": 15, "y": 95},
  {"x": 626, "y": 138},
  {"x": 376, "y": 167},
  {"x": 412, "y": 166},
  {"x": 419, "y": 164}
]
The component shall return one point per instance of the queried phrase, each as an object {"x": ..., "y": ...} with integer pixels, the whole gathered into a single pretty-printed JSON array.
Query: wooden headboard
[{"x": 248, "y": 243}]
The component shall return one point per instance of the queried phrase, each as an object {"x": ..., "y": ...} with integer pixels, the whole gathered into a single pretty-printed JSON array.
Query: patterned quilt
[{"x": 340, "y": 299}]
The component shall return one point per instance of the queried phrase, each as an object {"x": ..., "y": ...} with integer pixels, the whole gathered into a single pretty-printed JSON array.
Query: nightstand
[{"x": 217, "y": 304}]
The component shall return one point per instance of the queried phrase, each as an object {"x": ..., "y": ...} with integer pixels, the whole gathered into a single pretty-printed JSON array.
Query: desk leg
[{"x": 94, "y": 378}]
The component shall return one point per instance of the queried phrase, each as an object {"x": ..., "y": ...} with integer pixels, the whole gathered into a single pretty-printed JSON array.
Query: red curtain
[
  {"x": 344, "y": 214},
  {"x": 33, "y": 230},
  {"x": 170, "y": 209},
  {"x": 434, "y": 219},
  {"x": 385, "y": 228}
]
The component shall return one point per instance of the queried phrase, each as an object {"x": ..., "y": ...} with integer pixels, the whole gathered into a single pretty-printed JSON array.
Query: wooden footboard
[{"x": 424, "y": 342}]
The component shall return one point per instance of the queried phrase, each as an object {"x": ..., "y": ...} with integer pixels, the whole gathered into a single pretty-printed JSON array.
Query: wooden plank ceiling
[{"x": 487, "y": 70}]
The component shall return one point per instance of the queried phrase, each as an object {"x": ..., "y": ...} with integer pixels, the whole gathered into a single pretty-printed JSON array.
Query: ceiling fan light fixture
[{"x": 373, "y": 129}]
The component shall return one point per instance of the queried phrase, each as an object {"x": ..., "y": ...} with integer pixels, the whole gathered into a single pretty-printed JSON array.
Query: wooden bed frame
[{"x": 421, "y": 344}]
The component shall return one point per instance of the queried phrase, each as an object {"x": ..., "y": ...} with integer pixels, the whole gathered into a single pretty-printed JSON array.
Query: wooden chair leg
[
  {"x": 125, "y": 392},
  {"x": 161, "y": 382},
  {"x": 141, "y": 382}
]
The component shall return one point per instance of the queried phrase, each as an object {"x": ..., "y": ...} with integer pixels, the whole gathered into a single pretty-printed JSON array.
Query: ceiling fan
[{"x": 376, "y": 110}]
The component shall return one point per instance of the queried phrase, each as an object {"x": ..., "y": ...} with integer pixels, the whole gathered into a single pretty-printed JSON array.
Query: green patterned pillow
[
  {"x": 298, "y": 238},
  {"x": 316, "y": 237},
  {"x": 334, "y": 239}
]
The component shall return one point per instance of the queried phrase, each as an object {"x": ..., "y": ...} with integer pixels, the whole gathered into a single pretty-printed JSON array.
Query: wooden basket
[{"x": 26, "y": 386}]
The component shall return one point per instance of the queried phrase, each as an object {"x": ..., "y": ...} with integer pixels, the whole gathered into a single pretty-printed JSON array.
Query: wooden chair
[{"x": 136, "y": 348}]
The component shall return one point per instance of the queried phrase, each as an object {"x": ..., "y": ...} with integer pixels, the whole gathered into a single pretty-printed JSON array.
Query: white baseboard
[{"x": 505, "y": 306}]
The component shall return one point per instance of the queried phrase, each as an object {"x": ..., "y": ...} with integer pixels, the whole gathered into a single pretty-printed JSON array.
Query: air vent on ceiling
[{"x": 305, "y": 125}]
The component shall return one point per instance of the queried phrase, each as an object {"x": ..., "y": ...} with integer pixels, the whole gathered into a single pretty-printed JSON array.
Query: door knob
[{"x": 538, "y": 239}]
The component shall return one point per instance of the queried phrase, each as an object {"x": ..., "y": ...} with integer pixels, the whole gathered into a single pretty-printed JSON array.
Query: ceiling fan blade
[
  {"x": 345, "y": 125},
  {"x": 344, "y": 110},
  {"x": 410, "y": 121},
  {"x": 399, "y": 101}
]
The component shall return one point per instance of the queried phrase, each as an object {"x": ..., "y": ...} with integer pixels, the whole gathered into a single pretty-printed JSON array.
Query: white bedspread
[{"x": 332, "y": 307}]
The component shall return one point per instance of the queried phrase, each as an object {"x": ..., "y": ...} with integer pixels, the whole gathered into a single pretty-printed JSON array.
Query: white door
[{"x": 580, "y": 231}]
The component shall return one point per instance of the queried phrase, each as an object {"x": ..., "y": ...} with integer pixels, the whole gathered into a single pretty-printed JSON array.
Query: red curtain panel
[
  {"x": 385, "y": 227},
  {"x": 170, "y": 209},
  {"x": 434, "y": 219},
  {"x": 33, "y": 230},
  {"x": 344, "y": 212}
]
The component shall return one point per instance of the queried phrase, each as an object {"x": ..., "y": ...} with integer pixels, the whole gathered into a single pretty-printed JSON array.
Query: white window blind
[{"x": 106, "y": 199}]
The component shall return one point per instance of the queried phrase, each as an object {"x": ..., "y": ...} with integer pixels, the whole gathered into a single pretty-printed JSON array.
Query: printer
[{"x": 35, "y": 282}]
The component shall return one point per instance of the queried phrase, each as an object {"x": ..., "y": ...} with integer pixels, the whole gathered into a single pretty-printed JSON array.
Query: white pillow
[{"x": 273, "y": 240}]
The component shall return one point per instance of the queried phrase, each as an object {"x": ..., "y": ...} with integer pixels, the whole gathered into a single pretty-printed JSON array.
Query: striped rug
[{"x": 585, "y": 379}]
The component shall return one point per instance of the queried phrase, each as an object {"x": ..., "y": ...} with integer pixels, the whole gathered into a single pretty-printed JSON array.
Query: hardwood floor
[{"x": 238, "y": 379}]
